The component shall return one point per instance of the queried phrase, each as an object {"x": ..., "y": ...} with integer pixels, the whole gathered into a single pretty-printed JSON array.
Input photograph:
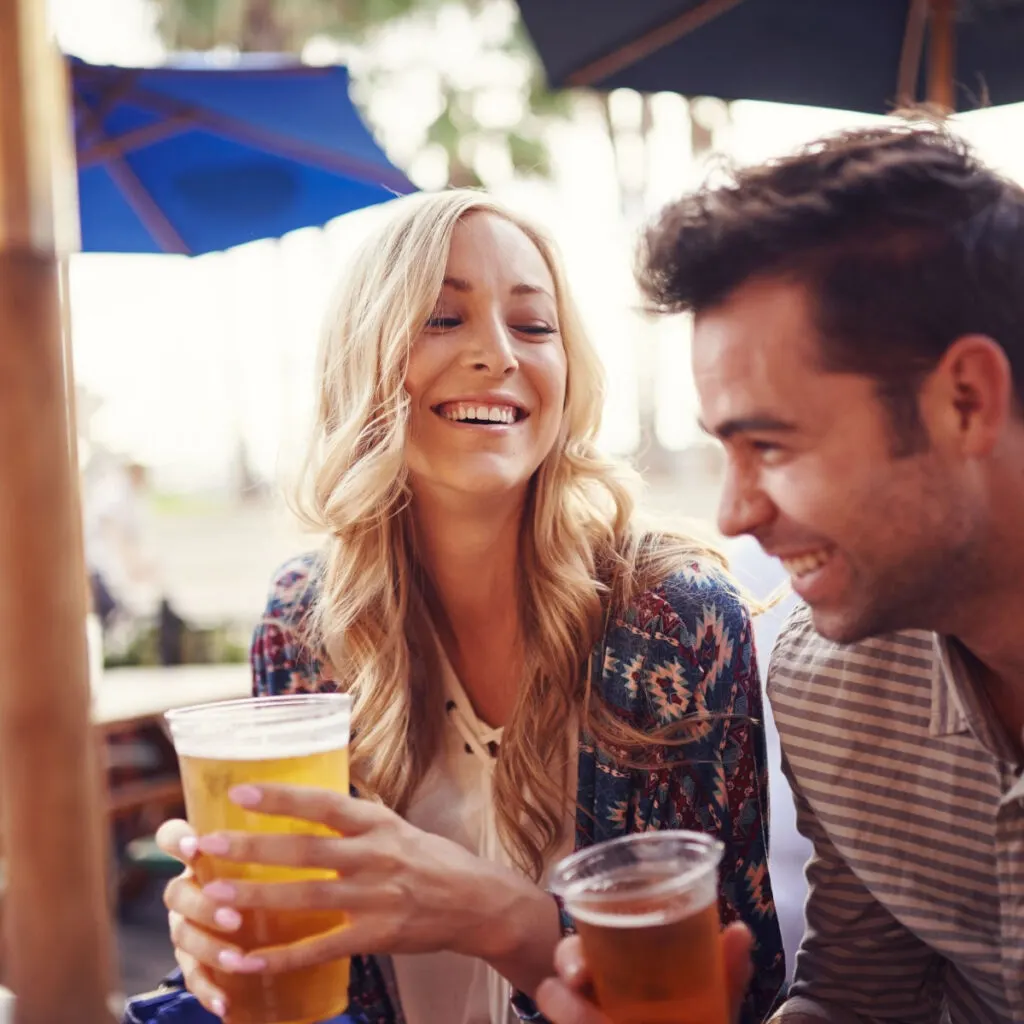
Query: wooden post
[
  {"x": 56, "y": 921},
  {"x": 910, "y": 53},
  {"x": 942, "y": 56}
]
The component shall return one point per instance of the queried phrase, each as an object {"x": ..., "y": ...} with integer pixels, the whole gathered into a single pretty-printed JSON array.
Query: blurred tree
[{"x": 504, "y": 70}]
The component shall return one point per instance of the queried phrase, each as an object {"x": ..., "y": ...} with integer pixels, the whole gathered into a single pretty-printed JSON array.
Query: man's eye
[
  {"x": 443, "y": 323},
  {"x": 767, "y": 449}
]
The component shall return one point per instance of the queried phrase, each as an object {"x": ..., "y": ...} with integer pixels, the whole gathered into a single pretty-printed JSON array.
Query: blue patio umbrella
[{"x": 192, "y": 158}]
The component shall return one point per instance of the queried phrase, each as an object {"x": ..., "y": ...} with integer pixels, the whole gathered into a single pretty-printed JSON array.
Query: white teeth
[
  {"x": 484, "y": 413},
  {"x": 804, "y": 564}
]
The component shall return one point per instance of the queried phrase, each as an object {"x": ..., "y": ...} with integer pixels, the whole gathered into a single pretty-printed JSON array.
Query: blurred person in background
[
  {"x": 859, "y": 350},
  {"x": 533, "y": 670},
  {"x": 118, "y": 552}
]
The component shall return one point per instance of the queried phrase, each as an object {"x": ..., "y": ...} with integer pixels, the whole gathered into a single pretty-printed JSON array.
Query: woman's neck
[{"x": 470, "y": 553}]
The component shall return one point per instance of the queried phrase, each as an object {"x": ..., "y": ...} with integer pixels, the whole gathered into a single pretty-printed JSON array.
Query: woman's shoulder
[
  {"x": 280, "y": 659},
  {"x": 699, "y": 591},
  {"x": 293, "y": 588},
  {"x": 682, "y": 644}
]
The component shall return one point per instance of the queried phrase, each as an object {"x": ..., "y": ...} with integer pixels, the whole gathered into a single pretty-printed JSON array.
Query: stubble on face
[{"x": 815, "y": 468}]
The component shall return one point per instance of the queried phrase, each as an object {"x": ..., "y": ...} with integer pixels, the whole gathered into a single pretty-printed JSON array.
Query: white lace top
[{"x": 455, "y": 801}]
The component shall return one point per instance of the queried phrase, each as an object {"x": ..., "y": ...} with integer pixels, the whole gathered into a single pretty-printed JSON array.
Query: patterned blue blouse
[{"x": 683, "y": 647}]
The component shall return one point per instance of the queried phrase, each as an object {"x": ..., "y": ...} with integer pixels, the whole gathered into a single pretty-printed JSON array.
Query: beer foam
[
  {"x": 600, "y": 912},
  {"x": 261, "y": 729},
  {"x": 641, "y": 895},
  {"x": 668, "y": 915}
]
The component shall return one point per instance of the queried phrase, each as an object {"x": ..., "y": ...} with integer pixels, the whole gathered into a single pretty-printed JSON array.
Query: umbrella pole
[
  {"x": 942, "y": 56},
  {"x": 56, "y": 922}
]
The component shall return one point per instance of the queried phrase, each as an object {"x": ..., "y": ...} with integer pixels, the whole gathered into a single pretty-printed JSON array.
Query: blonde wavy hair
[{"x": 580, "y": 552}]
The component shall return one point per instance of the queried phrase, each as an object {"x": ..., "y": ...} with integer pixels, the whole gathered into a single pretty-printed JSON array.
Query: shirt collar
[
  {"x": 948, "y": 718},
  {"x": 959, "y": 707}
]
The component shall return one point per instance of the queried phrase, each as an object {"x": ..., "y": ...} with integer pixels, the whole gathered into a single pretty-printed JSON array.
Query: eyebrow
[
  {"x": 748, "y": 425},
  {"x": 459, "y": 284}
]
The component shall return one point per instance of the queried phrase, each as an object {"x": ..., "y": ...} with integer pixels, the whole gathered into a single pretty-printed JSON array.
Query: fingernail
[
  {"x": 232, "y": 961},
  {"x": 572, "y": 972},
  {"x": 227, "y": 918},
  {"x": 220, "y": 890},
  {"x": 188, "y": 847},
  {"x": 213, "y": 844},
  {"x": 245, "y": 796},
  {"x": 219, "y": 1007}
]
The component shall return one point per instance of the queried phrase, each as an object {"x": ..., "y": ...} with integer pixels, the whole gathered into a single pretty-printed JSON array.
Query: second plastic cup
[{"x": 646, "y": 909}]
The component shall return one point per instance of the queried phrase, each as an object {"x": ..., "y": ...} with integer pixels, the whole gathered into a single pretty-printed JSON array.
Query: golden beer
[
  {"x": 646, "y": 909},
  {"x": 299, "y": 740}
]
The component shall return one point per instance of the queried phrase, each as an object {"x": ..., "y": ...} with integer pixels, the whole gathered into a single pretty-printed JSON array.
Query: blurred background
[
  {"x": 199, "y": 371},
  {"x": 195, "y": 374}
]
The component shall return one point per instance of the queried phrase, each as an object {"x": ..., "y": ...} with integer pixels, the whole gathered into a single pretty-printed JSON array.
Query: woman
[{"x": 530, "y": 669}]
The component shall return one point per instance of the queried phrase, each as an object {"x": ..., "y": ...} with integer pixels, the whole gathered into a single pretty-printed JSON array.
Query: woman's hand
[
  {"x": 405, "y": 890},
  {"x": 188, "y": 914},
  {"x": 567, "y": 999}
]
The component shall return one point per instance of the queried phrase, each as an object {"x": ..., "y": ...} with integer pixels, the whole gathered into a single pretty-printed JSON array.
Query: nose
[
  {"x": 743, "y": 507},
  {"x": 490, "y": 348}
]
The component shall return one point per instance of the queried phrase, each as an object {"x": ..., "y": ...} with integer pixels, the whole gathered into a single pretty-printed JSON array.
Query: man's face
[{"x": 872, "y": 542}]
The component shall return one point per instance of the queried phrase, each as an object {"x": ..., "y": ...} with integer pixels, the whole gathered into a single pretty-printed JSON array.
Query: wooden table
[
  {"x": 128, "y": 696},
  {"x": 128, "y": 706}
]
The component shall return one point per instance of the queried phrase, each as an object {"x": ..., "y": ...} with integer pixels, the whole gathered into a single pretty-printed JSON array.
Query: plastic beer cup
[
  {"x": 300, "y": 740},
  {"x": 646, "y": 910}
]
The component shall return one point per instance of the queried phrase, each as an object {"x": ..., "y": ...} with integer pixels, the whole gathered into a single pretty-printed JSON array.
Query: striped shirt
[{"x": 911, "y": 795}]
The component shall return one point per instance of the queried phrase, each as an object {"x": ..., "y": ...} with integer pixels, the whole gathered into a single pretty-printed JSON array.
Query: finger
[
  {"x": 290, "y": 850},
  {"x": 183, "y": 896},
  {"x": 737, "y": 942},
  {"x": 338, "y": 811},
  {"x": 209, "y": 950},
  {"x": 320, "y": 894},
  {"x": 365, "y": 937},
  {"x": 177, "y": 839},
  {"x": 569, "y": 963},
  {"x": 561, "y": 1005},
  {"x": 198, "y": 981}
]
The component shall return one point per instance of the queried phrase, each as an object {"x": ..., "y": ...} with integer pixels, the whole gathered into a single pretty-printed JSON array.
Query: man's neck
[{"x": 990, "y": 625}]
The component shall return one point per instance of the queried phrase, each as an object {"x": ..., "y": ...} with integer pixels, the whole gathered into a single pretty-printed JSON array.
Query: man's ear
[{"x": 969, "y": 397}]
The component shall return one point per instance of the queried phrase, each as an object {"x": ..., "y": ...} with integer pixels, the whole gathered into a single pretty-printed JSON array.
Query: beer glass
[
  {"x": 646, "y": 910},
  {"x": 301, "y": 740}
]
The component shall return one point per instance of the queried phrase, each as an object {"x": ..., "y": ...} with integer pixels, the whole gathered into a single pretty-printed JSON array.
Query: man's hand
[{"x": 567, "y": 999}]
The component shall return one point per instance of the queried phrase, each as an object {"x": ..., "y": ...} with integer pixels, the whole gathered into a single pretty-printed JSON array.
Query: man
[{"x": 859, "y": 350}]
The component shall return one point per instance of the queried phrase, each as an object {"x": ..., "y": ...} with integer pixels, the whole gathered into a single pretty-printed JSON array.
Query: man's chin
[{"x": 845, "y": 626}]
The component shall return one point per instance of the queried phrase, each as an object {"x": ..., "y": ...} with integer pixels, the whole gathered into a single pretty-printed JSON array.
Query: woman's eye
[
  {"x": 536, "y": 329},
  {"x": 443, "y": 323}
]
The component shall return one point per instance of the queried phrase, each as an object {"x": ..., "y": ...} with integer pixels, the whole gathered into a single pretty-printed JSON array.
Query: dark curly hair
[{"x": 904, "y": 240}]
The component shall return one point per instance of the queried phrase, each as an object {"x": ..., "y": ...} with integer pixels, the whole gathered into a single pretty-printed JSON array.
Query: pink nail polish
[
  {"x": 219, "y": 1007},
  {"x": 220, "y": 890},
  {"x": 245, "y": 796},
  {"x": 214, "y": 844},
  {"x": 188, "y": 847},
  {"x": 232, "y": 961},
  {"x": 227, "y": 918}
]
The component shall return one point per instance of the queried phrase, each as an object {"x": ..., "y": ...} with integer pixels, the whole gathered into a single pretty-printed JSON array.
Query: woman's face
[{"x": 487, "y": 374}]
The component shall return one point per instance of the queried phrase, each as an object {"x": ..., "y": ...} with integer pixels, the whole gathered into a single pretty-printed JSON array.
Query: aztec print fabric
[{"x": 681, "y": 648}]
